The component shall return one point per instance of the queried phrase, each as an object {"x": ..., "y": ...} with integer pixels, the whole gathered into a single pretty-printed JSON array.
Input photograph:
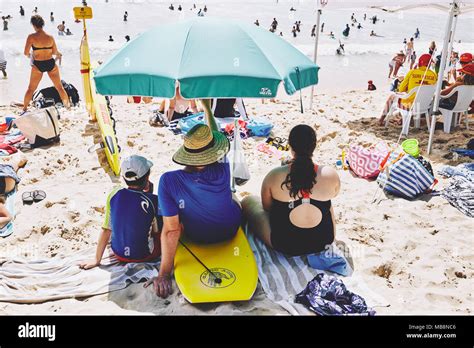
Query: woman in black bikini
[
  {"x": 40, "y": 48},
  {"x": 295, "y": 215}
]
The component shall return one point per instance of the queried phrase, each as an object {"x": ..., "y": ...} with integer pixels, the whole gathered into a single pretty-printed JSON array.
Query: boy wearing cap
[
  {"x": 131, "y": 217},
  {"x": 196, "y": 202},
  {"x": 422, "y": 75}
]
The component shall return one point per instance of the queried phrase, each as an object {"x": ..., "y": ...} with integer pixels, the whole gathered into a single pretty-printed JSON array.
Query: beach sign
[{"x": 83, "y": 12}]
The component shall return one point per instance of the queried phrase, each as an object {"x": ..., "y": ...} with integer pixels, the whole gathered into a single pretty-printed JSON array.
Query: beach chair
[
  {"x": 465, "y": 97},
  {"x": 422, "y": 106}
]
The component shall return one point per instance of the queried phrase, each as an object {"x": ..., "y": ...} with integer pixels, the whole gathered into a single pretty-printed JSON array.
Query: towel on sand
[
  {"x": 25, "y": 281},
  {"x": 282, "y": 278}
]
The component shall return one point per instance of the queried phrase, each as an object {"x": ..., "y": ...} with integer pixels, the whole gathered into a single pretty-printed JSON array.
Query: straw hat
[{"x": 202, "y": 147}]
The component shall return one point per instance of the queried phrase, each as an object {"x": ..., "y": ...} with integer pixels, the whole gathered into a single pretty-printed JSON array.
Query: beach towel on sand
[
  {"x": 282, "y": 278},
  {"x": 25, "y": 281}
]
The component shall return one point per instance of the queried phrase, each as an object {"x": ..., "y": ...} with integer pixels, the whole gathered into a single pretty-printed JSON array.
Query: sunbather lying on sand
[
  {"x": 196, "y": 202},
  {"x": 178, "y": 107},
  {"x": 294, "y": 214},
  {"x": 131, "y": 217}
]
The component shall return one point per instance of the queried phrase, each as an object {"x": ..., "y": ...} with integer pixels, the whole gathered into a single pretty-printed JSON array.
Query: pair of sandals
[
  {"x": 33, "y": 196},
  {"x": 280, "y": 143}
]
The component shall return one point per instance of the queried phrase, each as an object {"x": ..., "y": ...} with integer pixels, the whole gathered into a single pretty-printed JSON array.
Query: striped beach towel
[
  {"x": 35, "y": 281},
  {"x": 282, "y": 278},
  {"x": 406, "y": 177}
]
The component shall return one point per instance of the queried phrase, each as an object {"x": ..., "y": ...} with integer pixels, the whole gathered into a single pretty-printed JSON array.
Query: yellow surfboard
[
  {"x": 103, "y": 117},
  {"x": 84, "y": 13},
  {"x": 234, "y": 274},
  {"x": 86, "y": 77}
]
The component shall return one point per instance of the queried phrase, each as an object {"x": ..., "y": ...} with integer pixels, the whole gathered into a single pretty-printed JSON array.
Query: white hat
[{"x": 135, "y": 167}]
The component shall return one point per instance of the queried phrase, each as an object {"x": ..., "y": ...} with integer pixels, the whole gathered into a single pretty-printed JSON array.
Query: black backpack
[
  {"x": 72, "y": 93},
  {"x": 50, "y": 96}
]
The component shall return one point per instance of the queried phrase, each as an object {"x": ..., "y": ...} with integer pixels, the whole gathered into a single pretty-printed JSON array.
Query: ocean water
[{"x": 365, "y": 57}]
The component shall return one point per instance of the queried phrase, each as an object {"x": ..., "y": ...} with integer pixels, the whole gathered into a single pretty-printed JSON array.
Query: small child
[
  {"x": 371, "y": 86},
  {"x": 395, "y": 83}
]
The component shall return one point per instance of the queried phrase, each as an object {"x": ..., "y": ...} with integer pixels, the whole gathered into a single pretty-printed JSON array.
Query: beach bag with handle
[
  {"x": 365, "y": 162},
  {"x": 404, "y": 176},
  {"x": 50, "y": 96},
  {"x": 239, "y": 168},
  {"x": 40, "y": 127}
]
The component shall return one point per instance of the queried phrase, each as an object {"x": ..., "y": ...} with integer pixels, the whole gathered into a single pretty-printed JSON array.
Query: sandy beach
[{"x": 417, "y": 255}]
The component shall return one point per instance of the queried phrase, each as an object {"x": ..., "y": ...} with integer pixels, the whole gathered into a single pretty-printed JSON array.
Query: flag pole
[{"x": 315, "y": 52}]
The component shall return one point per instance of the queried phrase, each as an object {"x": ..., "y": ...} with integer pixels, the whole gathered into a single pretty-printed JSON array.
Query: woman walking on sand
[{"x": 40, "y": 47}]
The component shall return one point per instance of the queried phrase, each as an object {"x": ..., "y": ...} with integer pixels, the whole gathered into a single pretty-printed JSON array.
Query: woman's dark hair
[
  {"x": 140, "y": 183},
  {"x": 302, "y": 175},
  {"x": 468, "y": 79},
  {"x": 37, "y": 21}
]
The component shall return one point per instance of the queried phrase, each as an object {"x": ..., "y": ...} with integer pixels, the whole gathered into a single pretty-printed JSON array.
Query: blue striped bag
[{"x": 406, "y": 177}]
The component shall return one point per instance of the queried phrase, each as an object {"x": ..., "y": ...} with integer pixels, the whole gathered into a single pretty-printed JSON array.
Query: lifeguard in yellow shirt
[{"x": 421, "y": 75}]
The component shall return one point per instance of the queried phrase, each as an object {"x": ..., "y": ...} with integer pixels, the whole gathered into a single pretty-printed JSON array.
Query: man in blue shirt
[
  {"x": 131, "y": 217},
  {"x": 196, "y": 202}
]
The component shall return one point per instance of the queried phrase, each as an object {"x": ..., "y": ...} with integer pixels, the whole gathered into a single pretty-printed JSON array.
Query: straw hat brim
[{"x": 220, "y": 148}]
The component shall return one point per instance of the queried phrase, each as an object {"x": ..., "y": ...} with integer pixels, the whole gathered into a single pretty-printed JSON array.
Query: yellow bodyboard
[
  {"x": 232, "y": 261},
  {"x": 83, "y": 12},
  {"x": 106, "y": 127}
]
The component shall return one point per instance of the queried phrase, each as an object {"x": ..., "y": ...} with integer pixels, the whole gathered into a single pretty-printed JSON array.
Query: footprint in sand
[
  {"x": 329, "y": 136},
  {"x": 47, "y": 171},
  {"x": 384, "y": 270},
  {"x": 49, "y": 204}
]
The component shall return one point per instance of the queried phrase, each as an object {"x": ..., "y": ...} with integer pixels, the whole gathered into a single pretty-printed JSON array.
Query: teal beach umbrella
[{"x": 210, "y": 58}]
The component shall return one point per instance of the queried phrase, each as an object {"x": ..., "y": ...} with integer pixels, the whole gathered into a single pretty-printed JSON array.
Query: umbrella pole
[
  {"x": 315, "y": 53},
  {"x": 448, "y": 37},
  {"x": 450, "y": 49},
  {"x": 234, "y": 153}
]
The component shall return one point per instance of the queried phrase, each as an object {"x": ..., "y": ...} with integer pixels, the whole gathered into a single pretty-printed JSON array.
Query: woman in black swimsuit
[
  {"x": 294, "y": 214},
  {"x": 40, "y": 48}
]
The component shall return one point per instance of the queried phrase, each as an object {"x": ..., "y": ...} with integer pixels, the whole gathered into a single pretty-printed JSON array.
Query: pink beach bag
[{"x": 365, "y": 162}]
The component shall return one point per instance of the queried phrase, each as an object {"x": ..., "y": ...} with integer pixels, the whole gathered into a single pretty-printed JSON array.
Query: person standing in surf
[
  {"x": 61, "y": 28},
  {"x": 40, "y": 47},
  {"x": 346, "y": 31},
  {"x": 5, "y": 23}
]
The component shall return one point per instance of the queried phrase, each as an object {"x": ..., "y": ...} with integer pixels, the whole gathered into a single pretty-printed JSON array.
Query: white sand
[{"x": 418, "y": 255}]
